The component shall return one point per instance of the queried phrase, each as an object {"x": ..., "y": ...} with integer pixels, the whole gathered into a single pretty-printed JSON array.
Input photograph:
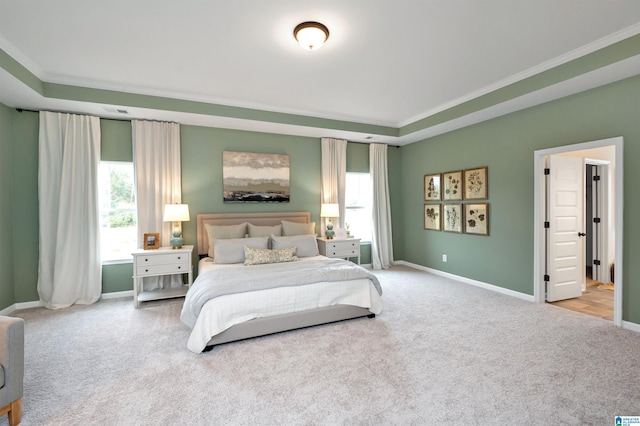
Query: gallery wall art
[
  {"x": 255, "y": 177},
  {"x": 459, "y": 186}
]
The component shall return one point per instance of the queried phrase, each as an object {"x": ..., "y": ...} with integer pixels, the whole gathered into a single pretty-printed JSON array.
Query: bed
[{"x": 232, "y": 301}]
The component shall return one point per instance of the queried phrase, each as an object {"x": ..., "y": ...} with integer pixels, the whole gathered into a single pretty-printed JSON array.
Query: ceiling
[{"x": 391, "y": 72}]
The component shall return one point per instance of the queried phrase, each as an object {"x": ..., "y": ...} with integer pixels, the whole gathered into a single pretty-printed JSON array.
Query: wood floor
[{"x": 594, "y": 301}]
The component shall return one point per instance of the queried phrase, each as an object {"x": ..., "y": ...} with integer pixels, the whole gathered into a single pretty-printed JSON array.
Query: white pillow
[
  {"x": 306, "y": 244},
  {"x": 295, "y": 228},
  {"x": 219, "y": 232},
  {"x": 264, "y": 231},
  {"x": 232, "y": 250}
]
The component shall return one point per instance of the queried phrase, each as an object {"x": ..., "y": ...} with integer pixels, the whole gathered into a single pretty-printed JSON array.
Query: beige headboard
[{"x": 261, "y": 219}]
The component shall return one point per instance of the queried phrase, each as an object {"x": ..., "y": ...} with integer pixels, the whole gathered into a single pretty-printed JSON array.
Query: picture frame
[
  {"x": 476, "y": 183},
  {"x": 151, "y": 241},
  {"x": 452, "y": 186},
  {"x": 432, "y": 187},
  {"x": 476, "y": 219},
  {"x": 250, "y": 177},
  {"x": 452, "y": 218},
  {"x": 432, "y": 217}
]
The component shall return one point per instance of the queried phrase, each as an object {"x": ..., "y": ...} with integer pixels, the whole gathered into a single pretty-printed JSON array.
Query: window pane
[
  {"x": 358, "y": 199},
  {"x": 118, "y": 228}
]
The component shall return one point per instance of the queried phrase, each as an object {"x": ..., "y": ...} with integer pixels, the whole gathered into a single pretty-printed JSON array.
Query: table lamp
[
  {"x": 329, "y": 211},
  {"x": 176, "y": 213}
]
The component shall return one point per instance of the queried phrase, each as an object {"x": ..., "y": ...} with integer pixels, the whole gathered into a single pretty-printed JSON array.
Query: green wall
[
  {"x": 201, "y": 157},
  {"x": 506, "y": 145},
  {"x": 7, "y": 289}
]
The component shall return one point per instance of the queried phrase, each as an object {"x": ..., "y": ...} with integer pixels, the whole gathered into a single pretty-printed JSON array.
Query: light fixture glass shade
[
  {"x": 329, "y": 210},
  {"x": 176, "y": 213},
  {"x": 311, "y": 35}
]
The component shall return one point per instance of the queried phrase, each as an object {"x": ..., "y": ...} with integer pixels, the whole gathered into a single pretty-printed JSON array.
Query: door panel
[{"x": 565, "y": 254}]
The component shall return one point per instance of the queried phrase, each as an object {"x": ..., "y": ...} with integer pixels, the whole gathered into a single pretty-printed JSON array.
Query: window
[
  {"x": 118, "y": 227},
  {"x": 358, "y": 200}
]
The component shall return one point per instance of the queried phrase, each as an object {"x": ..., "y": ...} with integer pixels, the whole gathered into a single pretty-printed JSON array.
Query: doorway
[{"x": 607, "y": 154}]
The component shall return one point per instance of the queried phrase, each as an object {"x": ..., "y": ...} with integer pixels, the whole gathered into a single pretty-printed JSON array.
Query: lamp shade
[
  {"x": 176, "y": 213},
  {"x": 329, "y": 210}
]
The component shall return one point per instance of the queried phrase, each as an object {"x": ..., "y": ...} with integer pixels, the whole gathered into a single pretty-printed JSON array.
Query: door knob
[{"x": 581, "y": 234}]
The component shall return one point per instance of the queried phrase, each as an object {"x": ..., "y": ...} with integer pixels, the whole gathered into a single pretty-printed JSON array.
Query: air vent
[{"x": 116, "y": 110}]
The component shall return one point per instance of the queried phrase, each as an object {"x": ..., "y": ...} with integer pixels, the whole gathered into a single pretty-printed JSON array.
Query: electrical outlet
[{"x": 444, "y": 257}]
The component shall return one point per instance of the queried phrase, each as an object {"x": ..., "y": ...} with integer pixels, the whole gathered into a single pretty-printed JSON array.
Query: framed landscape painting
[
  {"x": 432, "y": 187},
  {"x": 452, "y": 185},
  {"x": 452, "y": 217},
  {"x": 475, "y": 184},
  {"x": 476, "y": 219},
  {"x": 250, "y": 176},
  {"x": 432, "y": 217}
]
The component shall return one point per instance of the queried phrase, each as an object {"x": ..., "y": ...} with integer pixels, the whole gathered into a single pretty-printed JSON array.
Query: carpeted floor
[{"x": 442, "y": 352}]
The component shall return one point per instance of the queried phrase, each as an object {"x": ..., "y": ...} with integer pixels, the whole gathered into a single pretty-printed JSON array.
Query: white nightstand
[
  {"x": 163, "y": 261},
  {"x": 344, "y": 248}
]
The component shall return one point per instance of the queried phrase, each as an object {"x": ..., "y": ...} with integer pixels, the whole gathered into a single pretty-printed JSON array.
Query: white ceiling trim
[{"x": 545, "y": 66}]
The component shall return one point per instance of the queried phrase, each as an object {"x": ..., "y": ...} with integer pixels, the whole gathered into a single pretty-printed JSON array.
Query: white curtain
[
  {"x": 70, "y": 268},
  {"x": 382, "y": 241},
  {"x": 156, "y": 163},
  {"x": 334, "y": 175}
]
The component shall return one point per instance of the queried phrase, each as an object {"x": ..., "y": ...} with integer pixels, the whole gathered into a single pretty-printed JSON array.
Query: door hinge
[
  {"x": 596, "y": 262},
  {"x": 547, "y": 224},
  {"x": 547, "y": 171},
  {"x": 596, "y": 178},
  {"x": 546, "y": 278},
  {"x": 596, "y": 220}
]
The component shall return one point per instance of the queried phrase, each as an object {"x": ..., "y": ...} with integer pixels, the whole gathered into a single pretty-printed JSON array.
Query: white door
[{"x": 565, "y": 249}]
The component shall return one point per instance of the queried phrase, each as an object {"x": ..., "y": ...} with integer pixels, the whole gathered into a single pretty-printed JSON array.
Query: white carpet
[{"x": 442, "y": 352}]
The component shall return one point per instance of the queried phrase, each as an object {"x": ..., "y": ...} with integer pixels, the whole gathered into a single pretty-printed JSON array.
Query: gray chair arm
[{"x": 12, "y": 358}]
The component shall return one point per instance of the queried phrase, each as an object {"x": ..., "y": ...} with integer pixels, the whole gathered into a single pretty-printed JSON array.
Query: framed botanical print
[
  {"x": 432, "y": 217},
  {"x": 475, "y": 184},
  {"x": 452, "y": 217},
  {"x": 476, "y": 219},
  {"x": 432, "y": 188},
  {"x": 452, "y": 185}
]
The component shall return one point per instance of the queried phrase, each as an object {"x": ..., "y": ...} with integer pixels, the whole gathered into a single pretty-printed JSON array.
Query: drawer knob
[
  {"x": 146, "y": 259},
  {"x": 179, "y": 258},
  {"x": 179, "y": 267},
  {"x": 146, "y": 270}
]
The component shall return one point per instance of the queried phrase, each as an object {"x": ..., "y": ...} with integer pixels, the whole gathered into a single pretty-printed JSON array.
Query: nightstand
[
  {"x": 163, "y": 261},
  {"x": 344, "y": 248}
]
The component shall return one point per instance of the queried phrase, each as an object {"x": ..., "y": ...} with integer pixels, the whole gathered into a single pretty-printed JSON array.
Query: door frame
[
  {"x": 601, "y": 211},
  {"x": 539, "y": 212}
]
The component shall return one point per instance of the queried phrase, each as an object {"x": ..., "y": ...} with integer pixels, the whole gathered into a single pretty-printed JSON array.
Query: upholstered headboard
[{"x": 260, "y": 219}]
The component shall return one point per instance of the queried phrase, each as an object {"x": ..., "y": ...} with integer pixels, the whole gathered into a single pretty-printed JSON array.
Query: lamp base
[
  {"x": 177, "y": 240},
  {"x": 329, "y": 233}
]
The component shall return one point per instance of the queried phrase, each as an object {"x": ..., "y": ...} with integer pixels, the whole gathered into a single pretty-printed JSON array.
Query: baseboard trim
[
  {"x": 631, "y": 326},
  {"x": 38, "y": 304},
  {"x": 487, "y": 286}
]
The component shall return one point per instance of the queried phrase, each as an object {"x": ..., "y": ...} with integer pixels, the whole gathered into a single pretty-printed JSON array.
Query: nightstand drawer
[
  {"x": 342, "y": 252},
  {"x": 343, "y": 245},
  {"x": 159, "y": 259},
  {"x": 177, "y": 268}
]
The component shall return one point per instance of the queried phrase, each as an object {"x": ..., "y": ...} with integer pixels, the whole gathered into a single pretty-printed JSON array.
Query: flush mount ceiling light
[{"x": 311, "y": 35}]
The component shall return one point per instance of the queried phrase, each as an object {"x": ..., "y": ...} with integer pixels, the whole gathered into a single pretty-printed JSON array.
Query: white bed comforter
[{"x": 212, "y": 305}]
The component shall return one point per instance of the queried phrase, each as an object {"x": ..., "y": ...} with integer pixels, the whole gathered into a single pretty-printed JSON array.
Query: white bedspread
[{"x": 222, "y": 312}]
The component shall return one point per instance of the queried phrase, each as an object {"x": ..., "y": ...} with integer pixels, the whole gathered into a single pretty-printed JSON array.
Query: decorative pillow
[
  {"x": 218, "y": 232},
  {"x": 262, "y": 256},
  {"x": 306, "y": 244},
  {"x": 264, "y": 231},
  {"x": 232, "y": 250},
  {"x": 295, "y": 228}
]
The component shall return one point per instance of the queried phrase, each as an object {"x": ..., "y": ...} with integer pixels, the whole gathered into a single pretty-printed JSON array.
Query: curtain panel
[
  {"x": 382, "y": 240},
  {"x": 70, "y": 268},
  {"x": 156, "y": 164},
  {"x": 334, "y": 175}
]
